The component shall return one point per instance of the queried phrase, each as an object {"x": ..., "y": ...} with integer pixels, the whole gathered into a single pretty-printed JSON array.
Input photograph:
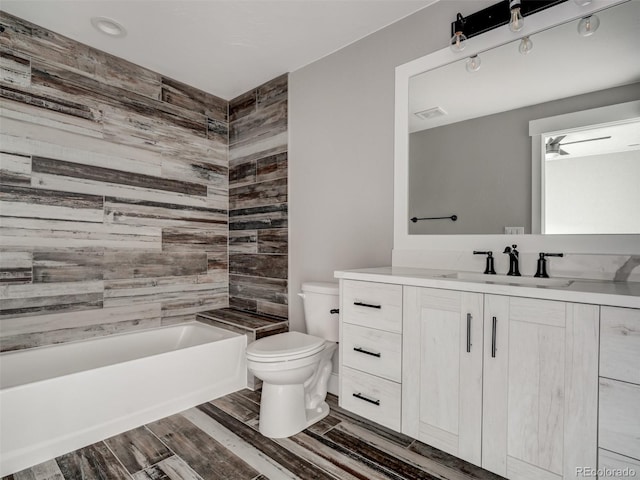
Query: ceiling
[{"x": 224, "y": 47}]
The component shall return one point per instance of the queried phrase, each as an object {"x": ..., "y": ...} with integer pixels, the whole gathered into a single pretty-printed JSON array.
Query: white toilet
[{"x": 295, "y": 367}]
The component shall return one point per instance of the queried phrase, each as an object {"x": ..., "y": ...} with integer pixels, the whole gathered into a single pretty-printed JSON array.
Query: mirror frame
[{"x": 402, "y": 241}]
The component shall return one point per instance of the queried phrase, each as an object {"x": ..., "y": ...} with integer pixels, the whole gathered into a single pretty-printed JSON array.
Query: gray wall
[
  {"x": 480, "y": 169},
  {"x": 341, "y": 130}
]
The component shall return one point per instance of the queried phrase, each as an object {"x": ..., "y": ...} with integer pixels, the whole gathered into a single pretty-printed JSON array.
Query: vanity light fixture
[
  {"x": 506, "y": 12},
  {"x": 588, "y": 25},
  {"x": 459, "y": 40},
  {"x": 473, "y": 64},
  {"x": 517, "y": 21},
  {"x": 526, "y": 45},
  {"x": 108, "y": 26}
]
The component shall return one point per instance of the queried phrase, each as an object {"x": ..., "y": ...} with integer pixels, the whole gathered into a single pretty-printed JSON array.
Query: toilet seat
[{"x": 284, "y": 347}]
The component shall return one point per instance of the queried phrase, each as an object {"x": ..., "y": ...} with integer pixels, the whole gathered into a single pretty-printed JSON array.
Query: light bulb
[
  {"x": 517, "y": 22},
  {"x": 588, "y": 25},
  {"x": 473, "y": 64},
  {"x": 526, "y": 45},
  {"x": 583, "y": 3},
  {"x": 458, "y": 42}
]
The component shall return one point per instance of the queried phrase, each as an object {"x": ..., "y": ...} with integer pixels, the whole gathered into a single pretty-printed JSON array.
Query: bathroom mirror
[{"x": 469, "y": 150}]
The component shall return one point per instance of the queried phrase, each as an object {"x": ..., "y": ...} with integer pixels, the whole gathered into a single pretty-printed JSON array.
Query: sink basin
[{"x": 509, "y": 280}]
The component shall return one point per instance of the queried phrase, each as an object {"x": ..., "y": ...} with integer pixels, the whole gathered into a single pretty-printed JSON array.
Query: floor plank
[
  {"x": 208, "y": 457},
  {"x": 138, "y": 449},
  {"x": 95, "y": 462}
]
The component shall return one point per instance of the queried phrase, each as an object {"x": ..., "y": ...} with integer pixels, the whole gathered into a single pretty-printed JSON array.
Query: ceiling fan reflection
[{"x": 554, "y": 145}]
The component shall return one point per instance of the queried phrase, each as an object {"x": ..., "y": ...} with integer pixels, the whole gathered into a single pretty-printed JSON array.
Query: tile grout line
[{"x": 117, "y": 458}]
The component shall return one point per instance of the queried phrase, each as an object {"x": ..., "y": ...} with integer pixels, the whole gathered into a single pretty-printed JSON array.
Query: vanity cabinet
[
  {"x": 442, "y": 374},
  {"x": 371, "y": 350},
  {"x": 619, "y": 419},
  {"x": 528, "y": 388},
  {"x": 506, "y": 383},
  {"x": 540, "y": 395}
]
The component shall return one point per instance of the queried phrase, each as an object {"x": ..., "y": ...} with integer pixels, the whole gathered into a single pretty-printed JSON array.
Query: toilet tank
[{"x": 319, "y": 298}]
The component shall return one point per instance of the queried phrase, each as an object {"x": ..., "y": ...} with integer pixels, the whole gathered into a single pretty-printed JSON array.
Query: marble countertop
[{"x": 578, "y": 290}]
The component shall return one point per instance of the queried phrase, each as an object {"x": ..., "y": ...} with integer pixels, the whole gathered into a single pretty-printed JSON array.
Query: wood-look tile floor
[{"x": 219, "y": 440}]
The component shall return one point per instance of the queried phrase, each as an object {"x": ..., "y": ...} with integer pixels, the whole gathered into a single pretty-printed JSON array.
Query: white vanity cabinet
[
  {"x": 371, "y": 350},
  {"x": 619, "y": 419},
  {"x": 442, "y": 373},
  {"x": 531, "y": 384},
  {"x": 540, "y": 395},
  {"x": 506, "y": 383}
]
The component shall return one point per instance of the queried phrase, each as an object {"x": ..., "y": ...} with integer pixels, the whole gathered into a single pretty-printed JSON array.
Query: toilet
[{"x": 295, "y": 367}]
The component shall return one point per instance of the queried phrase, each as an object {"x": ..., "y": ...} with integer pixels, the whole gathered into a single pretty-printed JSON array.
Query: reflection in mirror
[
  {"x": 592, "y": 180},
  {"x": 469, "y": 146}
]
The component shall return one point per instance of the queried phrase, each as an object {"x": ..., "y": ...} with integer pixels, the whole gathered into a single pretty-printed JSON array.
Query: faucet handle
[
  {"x": 541, "y": 271},
  {"x": 489, "y": 268}
]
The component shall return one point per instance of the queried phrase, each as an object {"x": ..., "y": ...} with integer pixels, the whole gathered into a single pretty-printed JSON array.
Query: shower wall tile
[
  {"x": 258, "y": 198},
  {"x": 114, "y": 193}
]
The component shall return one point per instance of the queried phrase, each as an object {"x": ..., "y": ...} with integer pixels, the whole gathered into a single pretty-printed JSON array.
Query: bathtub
[{"x": 56, "y": 399}]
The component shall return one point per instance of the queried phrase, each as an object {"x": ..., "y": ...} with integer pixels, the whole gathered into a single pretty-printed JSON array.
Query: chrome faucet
[{"x": 513, "y": 260}]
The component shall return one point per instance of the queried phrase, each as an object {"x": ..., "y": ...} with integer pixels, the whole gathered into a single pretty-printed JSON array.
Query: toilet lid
[{"x": 284, "y": 346}]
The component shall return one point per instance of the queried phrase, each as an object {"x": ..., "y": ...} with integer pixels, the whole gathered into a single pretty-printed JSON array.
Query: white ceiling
[{"x": 224, "y": 47}]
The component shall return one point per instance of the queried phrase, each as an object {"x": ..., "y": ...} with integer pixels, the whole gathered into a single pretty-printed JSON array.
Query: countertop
[{"x": 579, "y": 290}]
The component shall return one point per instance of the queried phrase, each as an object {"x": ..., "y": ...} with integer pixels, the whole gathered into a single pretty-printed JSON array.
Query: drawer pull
[
  {"x": 366, "y": 352},
  {"x": 362, "y": 397},
  {"x": 468, "y": 332},
  {"x": 493, "y": 337},
  {"x": 368, "y": 305}
]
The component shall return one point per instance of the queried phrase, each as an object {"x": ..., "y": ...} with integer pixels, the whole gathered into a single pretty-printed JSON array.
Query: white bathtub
[{"x": 59, "y": 398}]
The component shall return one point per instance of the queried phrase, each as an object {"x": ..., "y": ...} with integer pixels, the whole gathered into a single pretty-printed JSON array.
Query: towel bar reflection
[{"x": 453, "y": 218}]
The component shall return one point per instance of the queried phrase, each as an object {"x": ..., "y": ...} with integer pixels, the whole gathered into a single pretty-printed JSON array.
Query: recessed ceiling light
[{"x": 108, "y": 26}]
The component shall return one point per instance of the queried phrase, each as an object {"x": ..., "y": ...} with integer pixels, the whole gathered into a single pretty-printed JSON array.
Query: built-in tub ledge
[{"x": 58, "y": 398}]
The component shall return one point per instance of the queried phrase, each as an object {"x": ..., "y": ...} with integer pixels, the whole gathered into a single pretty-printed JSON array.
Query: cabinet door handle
[
  {"x": 468, "y": 332},
  {"x": 366, "y": 352},
  {"x": 362, "y": 397},
  {"x": 493, "y": 337},
  {"x": 368, "y": 305}
]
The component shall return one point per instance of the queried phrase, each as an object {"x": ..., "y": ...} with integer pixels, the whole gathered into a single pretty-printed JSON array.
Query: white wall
[{"x": 341, "y": 128}]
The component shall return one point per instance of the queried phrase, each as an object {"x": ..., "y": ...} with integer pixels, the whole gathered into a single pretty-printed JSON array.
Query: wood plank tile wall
[
  {"x": 258, "y": 233},
  {"x": 114, "y": 192}
]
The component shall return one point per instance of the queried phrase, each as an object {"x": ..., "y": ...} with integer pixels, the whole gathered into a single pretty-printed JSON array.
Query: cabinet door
[
  {"x": 540, "y": 397},
  {"x": 442, "y": 370}
]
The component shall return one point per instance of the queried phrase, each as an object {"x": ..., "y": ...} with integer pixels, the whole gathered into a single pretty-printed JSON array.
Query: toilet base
[{"x": 283, "y": 413}]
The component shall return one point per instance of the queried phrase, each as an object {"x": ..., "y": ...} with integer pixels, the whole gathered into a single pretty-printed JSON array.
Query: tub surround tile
[
  {"x": 113, "y": 191},
  {"x": 266, "y": 216},
  {"x": 138, "y": 449},
  {"x": 258, "y": 199},
  {"x": 247, "y": 321}
]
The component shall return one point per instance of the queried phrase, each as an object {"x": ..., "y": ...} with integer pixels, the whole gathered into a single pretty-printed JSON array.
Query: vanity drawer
[
  {"x": 372, "y": 351},
  {"x": 609, "y": 463},
  {"x": 619, "y": 420},
  {"x": 370, "y": 304},
  {"x": 620, "y": 344},
  {"x": 371, "y": 397}
]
